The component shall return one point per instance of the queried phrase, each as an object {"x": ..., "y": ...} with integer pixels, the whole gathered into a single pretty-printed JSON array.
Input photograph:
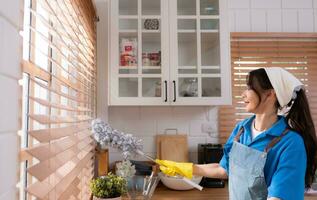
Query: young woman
[{"x": 267, "y": 156}]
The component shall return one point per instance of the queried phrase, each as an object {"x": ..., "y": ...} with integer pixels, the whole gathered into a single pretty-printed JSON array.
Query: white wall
[
  {"x": 10, "y": 106},
  {"x": 244, "y": 16},
  {"x": 146, "y": 122},
  {"x": 273, "y": 15},
  {"x": 102, "y": 59}
]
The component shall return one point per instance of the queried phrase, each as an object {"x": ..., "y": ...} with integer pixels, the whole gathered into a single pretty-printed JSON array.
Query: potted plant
[{"x": 108, "y": 187}]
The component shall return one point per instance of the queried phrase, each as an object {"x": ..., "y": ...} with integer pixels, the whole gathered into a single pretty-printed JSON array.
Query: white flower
[
  {"x": 105, "y": 135},
  {"x": 125, "y": 169}
]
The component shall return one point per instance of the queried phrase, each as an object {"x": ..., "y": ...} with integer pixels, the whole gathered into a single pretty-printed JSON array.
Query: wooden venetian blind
[
  {"x": 296, "y": 53},
  {"x": 60, "y": 75}
]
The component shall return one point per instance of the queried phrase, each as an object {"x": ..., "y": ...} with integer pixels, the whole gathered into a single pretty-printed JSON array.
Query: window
[
  {"x": 59, "y": 99},
  {"x": 296, "y": 53}
]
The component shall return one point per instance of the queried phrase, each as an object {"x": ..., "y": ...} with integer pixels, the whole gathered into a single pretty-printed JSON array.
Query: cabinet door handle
[
  {"x": 165, "y": 83},
  {"x": 174, "y": 83}
]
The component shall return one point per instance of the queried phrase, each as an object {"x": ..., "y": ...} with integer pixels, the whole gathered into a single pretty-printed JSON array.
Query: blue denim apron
[{"x": 246, "y": 170}]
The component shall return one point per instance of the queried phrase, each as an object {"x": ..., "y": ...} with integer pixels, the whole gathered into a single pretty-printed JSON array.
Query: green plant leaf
[{"x": 109, "y": 186}]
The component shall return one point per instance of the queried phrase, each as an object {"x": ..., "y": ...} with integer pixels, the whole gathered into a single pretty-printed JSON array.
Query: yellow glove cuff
[{"x": 186, "y": 169}]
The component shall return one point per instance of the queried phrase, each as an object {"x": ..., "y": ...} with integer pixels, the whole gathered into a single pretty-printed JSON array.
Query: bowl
[{"x": 176, "y": 183}]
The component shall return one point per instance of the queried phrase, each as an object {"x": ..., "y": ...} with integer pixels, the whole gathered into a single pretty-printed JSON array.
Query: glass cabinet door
[
  {"x": 169, "y": 52},
  {"x": 139, "y": 65},
  {"x": 198, "y": 71}
]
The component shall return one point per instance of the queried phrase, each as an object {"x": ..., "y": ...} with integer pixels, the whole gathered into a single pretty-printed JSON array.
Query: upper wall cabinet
[{"x": 173, "y": 52}]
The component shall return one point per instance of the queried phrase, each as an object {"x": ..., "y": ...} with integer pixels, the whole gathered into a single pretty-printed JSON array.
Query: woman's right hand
[{"x": 213, "y": 170}]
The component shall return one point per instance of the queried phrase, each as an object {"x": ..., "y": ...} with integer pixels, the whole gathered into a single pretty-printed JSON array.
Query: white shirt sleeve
[{"x": 273, "y": 198}]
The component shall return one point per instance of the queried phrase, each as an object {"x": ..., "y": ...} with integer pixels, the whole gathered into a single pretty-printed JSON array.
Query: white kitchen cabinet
[{"x": 169, "y": 52}]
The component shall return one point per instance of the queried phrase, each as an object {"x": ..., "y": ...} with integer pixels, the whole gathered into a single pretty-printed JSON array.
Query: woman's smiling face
[
  {"x": 251, "y": 100},
  {"x": 259, "y": 97}
]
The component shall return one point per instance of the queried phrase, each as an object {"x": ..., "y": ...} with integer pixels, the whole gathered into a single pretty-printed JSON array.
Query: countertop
[{"x": 163, "y": 193}]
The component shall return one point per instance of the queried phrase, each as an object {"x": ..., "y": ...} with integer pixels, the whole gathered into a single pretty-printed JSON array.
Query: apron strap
[
  {"x": 270, "y": 145},
  {"x": 237, "y": 137},
  {"x": 275, "y": 141}
]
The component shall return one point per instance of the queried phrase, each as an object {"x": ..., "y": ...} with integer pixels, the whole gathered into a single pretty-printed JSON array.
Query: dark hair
[
  {"x": 258, "y": 81},
  {"x": 298, "y": 117}
]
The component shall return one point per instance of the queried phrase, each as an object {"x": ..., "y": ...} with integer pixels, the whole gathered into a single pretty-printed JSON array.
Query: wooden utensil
[{"x": 172, "y": 147}]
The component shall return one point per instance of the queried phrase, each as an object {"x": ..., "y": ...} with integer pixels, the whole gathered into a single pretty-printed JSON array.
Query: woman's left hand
[{"x": 172, "y": 168}]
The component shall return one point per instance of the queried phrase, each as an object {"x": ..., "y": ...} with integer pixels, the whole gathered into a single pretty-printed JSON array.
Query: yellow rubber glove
[{"x": 172, "y": 168}]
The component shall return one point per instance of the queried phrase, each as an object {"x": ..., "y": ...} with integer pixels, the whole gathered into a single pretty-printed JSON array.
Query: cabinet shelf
[
  {"x": 210, "y": 31},
  {"x": 198, "y": 16},
  {"x": 135, "y": 31},
  {"x": 186, "y": 31},
  {"x": 199, "y": 75},
  {"x": 186, "y": 17},
  {"x": 202, "y": 31},
  {"x": 210, "y": 75},
  {"x": 128, "y": 67},
  {"x": 135, "y": 76},
  {"x": 128, "y": 31},
  {"x": 151, "y": 67},
  {"x": 128, "y": 17},
  {"x": 209, "y": 16},
  {"x": 150, "y": 17},
  {"x": 187, "y": 67},
  {"x": 143, "y": 67},
  {"x": 150, "y": 31},
  {"x": 210, "y": 67}
]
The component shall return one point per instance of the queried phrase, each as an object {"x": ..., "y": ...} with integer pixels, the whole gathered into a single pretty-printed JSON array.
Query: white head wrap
[{"x": 284, "y": 83}]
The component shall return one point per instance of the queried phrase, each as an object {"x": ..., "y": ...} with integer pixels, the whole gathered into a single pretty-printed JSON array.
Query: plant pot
[{"x": 116, "y": 198}]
